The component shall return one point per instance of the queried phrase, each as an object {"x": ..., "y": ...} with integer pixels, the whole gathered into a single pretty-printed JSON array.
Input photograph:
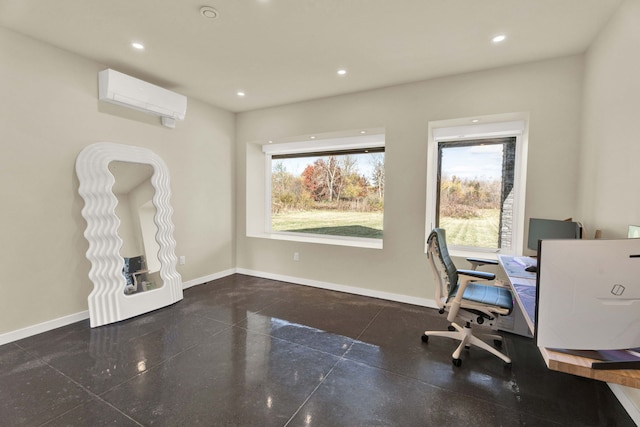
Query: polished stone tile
[
  {"x": 238, "y": 378},
  {"x": 334, "y": 314},
  {"x": 568, "y": 399},
  {"x": 249, "y": 351},
  {"x": 94, "y": 413},
  {"x": 298, "y": 333},
  {"x": 32, "y": 392},
  {"x": 104, "y": 357},
  {"x": 355, "y": 395},
  {"x": 392, "y": 342},
  {"x": 229, "y": 303},
  {"x": 55, "y": 335}
]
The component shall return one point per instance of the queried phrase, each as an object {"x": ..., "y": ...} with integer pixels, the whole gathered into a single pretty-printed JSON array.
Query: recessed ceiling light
[
  {"x": 475, "y": 120},
  {"x": 499, "y": 38},
  {"x": 312, "y": 137},
  {"x": 137, "y": 45},
  {"x": 363, "y": 131},
  {"x": 270, "y": 142},
  {"x": 209, "y": 12},
  {"x": 241, "y": 93},
  {"x": 342, "y": 72}
]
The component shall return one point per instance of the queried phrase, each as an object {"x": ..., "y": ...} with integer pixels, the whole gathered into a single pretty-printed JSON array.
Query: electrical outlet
[
  {"x": 296, "y": 256},
  {"x": 183, "y": 260}
]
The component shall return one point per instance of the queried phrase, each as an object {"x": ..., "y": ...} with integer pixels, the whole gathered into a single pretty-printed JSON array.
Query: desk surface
[{"x": 523, "y": 285}]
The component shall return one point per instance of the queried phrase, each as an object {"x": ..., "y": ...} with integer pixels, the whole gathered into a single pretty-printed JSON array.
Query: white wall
[
  {"x": 49, "y": 111},
  {"x": 611, "y": 146},
  {"x": 550, "y": 91},
  {"x": 609, "y": 196}
]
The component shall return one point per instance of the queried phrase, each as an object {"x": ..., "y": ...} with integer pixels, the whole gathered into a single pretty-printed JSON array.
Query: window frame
[
  {"x": 488, "y": 127},
  {"x": 372, "y": 139}
]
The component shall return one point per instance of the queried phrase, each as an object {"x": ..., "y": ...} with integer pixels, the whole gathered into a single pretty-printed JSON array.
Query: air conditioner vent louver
[{"x": 121, "y": 89}]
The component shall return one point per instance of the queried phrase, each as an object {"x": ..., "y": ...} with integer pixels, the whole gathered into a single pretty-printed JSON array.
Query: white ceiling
[{"x": 283, "y": 51}]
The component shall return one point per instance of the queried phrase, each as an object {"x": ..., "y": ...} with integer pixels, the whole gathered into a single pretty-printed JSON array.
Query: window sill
[
  {"x": 466, "y": 253},
  {"x": 357, "y": 242}
]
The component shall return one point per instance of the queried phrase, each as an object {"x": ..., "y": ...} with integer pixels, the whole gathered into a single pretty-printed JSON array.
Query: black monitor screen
[{"x": 540, "y": 229}]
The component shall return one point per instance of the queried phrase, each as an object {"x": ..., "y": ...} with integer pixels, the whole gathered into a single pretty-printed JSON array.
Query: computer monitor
[
  {"x": 588, "y": 294},
  {"x": 551, "y": 229}
]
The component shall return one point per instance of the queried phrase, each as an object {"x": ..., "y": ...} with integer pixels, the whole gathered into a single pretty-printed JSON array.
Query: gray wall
[
  {"x": 610, "y": 162},
  {"x": 610, "y": 151},
  {"x": 49, "y": 112},
  {"x": 551, "y": 91}
]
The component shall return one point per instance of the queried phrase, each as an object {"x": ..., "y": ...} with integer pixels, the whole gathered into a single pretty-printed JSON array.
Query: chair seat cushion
[{"x": 485, "y": 294}]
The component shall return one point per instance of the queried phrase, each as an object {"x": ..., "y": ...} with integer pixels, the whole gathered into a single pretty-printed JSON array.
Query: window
[
  {"x": 476, "y": 193},
  {"x": 331, "y": 188}
]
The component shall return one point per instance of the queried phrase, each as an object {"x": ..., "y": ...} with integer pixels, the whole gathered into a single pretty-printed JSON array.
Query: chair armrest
[
  {"x": 477, "y": 262},
  {"x": 477, "y": 274}
]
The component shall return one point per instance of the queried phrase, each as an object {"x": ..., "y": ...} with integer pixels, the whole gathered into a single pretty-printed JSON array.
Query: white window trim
[
  {"x": 373, "y": 138},
  {"x": 330, "y": 144},
  {"x": 503, "y": 125}
]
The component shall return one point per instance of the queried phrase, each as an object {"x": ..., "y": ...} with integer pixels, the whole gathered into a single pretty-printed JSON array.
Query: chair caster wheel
[
  {"x": 425, "y": 338},
  {"x": 507, "y": 365},
  {"x": 457, "y": 362},
  {"x": 497, "y": 343},
  {"x": 451, "y": 328}
]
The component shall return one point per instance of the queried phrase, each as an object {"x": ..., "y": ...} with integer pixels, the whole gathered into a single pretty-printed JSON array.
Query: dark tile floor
[{"x": 244, "y": 351}]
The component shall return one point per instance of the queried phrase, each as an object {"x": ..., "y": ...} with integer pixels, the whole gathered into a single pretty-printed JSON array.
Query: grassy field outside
[
  {"x": 482, "y": 231},
  {"x": 330, "y": 222}
]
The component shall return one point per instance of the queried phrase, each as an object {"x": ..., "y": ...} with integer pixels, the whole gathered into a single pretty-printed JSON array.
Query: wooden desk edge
[{"x": 581, "y": 366}]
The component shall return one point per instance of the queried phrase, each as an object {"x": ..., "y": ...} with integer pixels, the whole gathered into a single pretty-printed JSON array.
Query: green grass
[
  {"x": 330, "y": 222},
  {"x": 477, "y": 232}
]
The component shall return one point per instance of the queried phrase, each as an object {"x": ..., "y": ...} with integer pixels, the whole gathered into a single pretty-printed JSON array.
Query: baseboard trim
[
  {"x": 424, "y": 302},
  {"x": 42, "y": 327},
  {"x": 19, "y": 334},
  {"x": 66, "y": 320},
  {"x": 626, "y": 401},
  {"x": 208, "y": 278}
]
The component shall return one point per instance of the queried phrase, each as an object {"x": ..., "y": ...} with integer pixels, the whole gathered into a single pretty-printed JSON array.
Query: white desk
[{"x": 523, "y": 288}]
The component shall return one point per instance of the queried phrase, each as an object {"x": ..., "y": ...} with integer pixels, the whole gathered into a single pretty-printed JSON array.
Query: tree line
[
  {"x": 332, "y": 182},
  {"x": 466, "y": 198}
]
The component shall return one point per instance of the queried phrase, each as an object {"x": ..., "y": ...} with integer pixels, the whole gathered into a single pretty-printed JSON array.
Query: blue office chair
[{"x": 460, "y": 295}]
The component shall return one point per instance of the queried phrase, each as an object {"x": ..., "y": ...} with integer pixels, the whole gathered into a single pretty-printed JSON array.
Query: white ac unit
[{"x": 121, "y": 89}]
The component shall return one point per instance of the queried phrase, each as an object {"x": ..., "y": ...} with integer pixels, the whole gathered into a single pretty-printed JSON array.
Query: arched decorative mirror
[{"x": 129, "y": 230}]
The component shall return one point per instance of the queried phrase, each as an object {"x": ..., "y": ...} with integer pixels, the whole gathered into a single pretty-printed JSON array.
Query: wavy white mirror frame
[{"x": 107, "y": 301}]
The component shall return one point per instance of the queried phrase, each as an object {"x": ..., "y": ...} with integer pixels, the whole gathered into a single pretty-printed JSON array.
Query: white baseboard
[
  {"x": 210, "y": 277},
  {"x": 424, "y": 302},
  {"x": 42, "y": 327},
  {"x": 72, "y": 318},
  {"x": 629, "y": 403}
]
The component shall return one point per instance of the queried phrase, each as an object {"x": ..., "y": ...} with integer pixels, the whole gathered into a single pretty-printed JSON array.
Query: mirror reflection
[{"x": 135, "y": 209}]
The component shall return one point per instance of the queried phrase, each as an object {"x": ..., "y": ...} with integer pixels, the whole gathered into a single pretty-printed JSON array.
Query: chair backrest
[{"x": 445, "y": 270}]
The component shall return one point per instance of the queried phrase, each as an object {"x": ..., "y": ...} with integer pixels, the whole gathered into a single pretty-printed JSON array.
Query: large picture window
[
  {"x": 476, "y": 188},
  {"x": 326, "y": 189},
  {"x": 475, "y": 192}
]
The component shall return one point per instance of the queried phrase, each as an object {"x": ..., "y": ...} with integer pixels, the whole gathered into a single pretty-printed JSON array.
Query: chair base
[{"x": 466, "y": 338}]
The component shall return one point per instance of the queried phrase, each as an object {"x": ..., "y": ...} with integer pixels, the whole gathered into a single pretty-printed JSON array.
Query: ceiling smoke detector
[{"x": 209, "y": 12}]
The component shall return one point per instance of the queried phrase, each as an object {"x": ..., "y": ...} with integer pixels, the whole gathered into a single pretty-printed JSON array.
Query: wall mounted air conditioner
[{"x": 121, "y": 89}]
